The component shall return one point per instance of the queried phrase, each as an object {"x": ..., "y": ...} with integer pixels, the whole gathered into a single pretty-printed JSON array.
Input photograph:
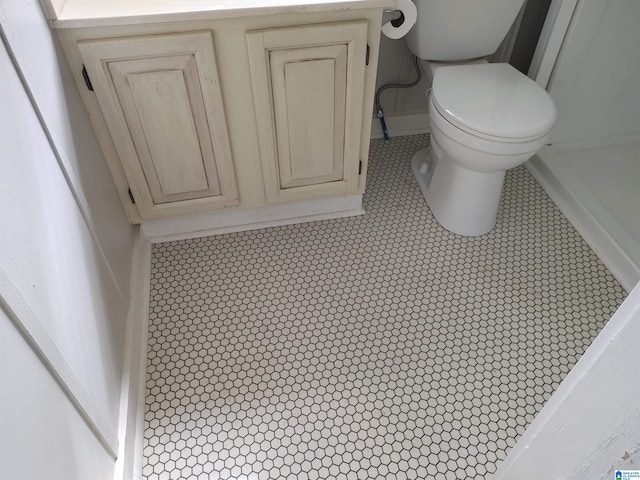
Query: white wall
[
  {"x": 42, "y": 435},
  {"x": 595, "y": 81},
  {"x": 395, "y": 65},
  {"x": 43, "y": 65},
  {"x": 65, "y": 255}
]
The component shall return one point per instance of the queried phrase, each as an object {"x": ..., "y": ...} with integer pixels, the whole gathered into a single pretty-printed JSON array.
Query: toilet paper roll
[{"x": 410, "y": 15}]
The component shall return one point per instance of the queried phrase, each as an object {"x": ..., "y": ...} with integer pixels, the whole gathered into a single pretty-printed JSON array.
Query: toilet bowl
[{"x": 484, "y": 119}]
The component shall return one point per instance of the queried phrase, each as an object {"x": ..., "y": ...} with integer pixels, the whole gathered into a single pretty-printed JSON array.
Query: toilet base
[{"x": 463, "y": 201}]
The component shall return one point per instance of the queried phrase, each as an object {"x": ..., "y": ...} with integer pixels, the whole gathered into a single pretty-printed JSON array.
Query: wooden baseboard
[
  {"x": 241, "y": 220},
  {"x": 131, "y": 425}
]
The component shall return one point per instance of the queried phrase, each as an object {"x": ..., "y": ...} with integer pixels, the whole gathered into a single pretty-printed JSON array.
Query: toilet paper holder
[
  {"x": 399, "y": 21},
  {"x": 396, "y": 17}
]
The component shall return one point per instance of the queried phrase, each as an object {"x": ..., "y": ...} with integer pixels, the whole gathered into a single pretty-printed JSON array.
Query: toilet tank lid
[{"x": 493, "y": 99}]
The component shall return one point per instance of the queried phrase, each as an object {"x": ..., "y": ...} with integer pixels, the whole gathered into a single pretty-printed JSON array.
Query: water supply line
[{"x": 379, "y": 111}]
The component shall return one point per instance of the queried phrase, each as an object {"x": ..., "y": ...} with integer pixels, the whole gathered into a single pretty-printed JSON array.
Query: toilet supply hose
[
  {"x": 383, "y": 124},
  {"x": 379, "y": 111}
]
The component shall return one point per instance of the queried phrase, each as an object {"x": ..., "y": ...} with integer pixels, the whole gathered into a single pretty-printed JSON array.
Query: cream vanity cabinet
[
  {"x": 264, "y": 113},
  {"x": 161, "y": 101},
  {"x": 308, "y": 91}
]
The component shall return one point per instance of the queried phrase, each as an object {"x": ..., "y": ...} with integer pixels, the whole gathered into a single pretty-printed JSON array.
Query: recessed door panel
[
  {"x": 308, "y": 93},
  {"x": 162, "y": 104},
  {"x": 169, "y": 130}
]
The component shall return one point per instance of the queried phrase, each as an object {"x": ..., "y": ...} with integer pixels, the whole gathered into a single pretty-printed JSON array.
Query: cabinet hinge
[
  {"x": 360, "y": 168},
  {"x": 87, "y": 80},
  {"x": 133, "y": 200},
  {"x": 367, "y": 56}
]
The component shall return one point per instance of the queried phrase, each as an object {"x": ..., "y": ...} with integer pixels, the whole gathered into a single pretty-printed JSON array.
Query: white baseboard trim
[
  {"x": 241, "y": 220},
  {"x": 597, "y": 142},
  {"x": 401, "y": 125},
  {"x": 599, "y": 229},
  {"x": 131, "y": 426}
]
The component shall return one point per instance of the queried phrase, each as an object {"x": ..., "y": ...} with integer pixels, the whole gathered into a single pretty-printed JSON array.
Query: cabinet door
[
  {"x": 161, "y": 100},
  {"x": 308, "y": 92}
]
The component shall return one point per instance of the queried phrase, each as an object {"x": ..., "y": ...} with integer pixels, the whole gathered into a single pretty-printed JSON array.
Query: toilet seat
[
  {"x": 483, "y": 154},
  {"x": 492, "y": 101}
]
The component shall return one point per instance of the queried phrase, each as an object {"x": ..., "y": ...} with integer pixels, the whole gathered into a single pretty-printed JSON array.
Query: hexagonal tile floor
[{"x": 374, "y": 347}]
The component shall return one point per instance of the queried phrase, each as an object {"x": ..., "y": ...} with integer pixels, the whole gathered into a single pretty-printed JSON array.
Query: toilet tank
[{"x": 451, "y": 30}]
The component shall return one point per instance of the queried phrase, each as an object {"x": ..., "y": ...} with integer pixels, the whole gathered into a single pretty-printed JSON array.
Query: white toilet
[{"x": 484, "y": 118}]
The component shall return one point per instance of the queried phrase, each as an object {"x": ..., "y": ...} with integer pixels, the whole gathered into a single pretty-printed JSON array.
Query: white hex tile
[{"x": 376, "y": 347}]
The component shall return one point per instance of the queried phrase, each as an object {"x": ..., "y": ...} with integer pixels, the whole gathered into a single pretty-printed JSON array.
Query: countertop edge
[{"x": 76, "y": 14}]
